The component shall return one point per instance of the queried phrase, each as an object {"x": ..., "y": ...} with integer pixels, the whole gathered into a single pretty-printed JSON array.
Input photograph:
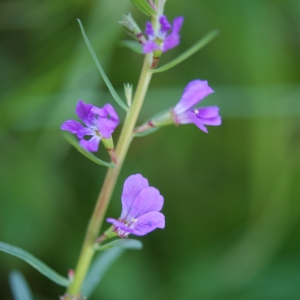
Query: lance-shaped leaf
[
  {"x": 19, "y": 286},
  {"x": 104, "y": 260},
  {"x": 132, "y": 45},
  {"x": 196, "y": 47},
  {"x": 100, "y": 265},
  {"x": 35, "y": 263},
  {"x": 73, "y": 141},
  {"x": 105, "y": 78},
  {"x": 122, "y": 243},
  {"x": 144, "y": 7}
]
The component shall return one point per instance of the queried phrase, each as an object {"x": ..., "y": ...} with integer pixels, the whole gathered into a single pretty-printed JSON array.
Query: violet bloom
[
  {"x": 183, "y": 113},
  {"x": 100, "y": 123},
  {"x": 141, "y": 204},
  {"x": 162, "y": 41}
]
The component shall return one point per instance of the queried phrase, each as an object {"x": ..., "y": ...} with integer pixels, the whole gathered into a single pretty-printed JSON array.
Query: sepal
[
  {"x": 108, "y": 234},
  {"x": 110, "y": 148},
  {"x": 162, "y": 119}
]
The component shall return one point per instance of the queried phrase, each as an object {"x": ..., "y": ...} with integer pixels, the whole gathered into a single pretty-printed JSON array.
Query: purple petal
[
  {"x": 170, "y": 42},
  {"x": 173, "y": 39},
  {"x": 147, "y": 200},
  {"x": 215, "y": 121},
  {"x": 148, "y": 222},
  {"x": 150, "y": 46},
  {"x": 119, "y": 227},
  {"x": 150, "y": 31},
  {"x": 143, "y": 225},
  {"x": 83, "y": 112},
  {"x": 189, "y": 117},
  {"x": 114, "y": 222},
  {"x": 165, "y": 25},
  {"x": 76, "y": 128},
  {"x": 90, "y": 145},
  {"x": 177, "y": 24},
  {"x": 194, "y": 92},
  {"x": 208, "y": 115},
  {"x": 132, "y": 186},
  {"x": 207, "y": 112},
  {"x": 107, "y": 119}
]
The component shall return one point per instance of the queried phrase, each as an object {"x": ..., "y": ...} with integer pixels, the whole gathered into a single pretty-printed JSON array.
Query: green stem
[{"x": 94, "y": 227}]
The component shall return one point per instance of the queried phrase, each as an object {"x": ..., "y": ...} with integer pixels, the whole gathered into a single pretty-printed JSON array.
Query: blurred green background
[{"x": 231, "y": 197}]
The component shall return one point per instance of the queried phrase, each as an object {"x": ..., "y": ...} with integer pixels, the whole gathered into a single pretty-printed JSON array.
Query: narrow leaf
[
  {"x": 144, "y": 133},
  {"x": 100, "y": 265},
  {"x": 122, "y": 243},
  {"x": 105, "y": 78},
  {"x": 144, "y": 7},
  {"x": 132, "y": 45},
  {"x": 74, "y": 142},
  {"x": 19, "y": 286},
  {"x": 35, "y": 263},
  {"x": 196, "y": 47}
]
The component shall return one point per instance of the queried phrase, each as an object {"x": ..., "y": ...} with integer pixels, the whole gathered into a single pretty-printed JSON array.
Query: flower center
[
  {"x": 97, "y": 132},
  {"x": 130, "y": 223}
]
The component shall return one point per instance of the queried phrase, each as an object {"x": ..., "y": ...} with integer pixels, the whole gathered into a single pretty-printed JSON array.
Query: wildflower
[
  {"x": 100, "y": 124},
  {"x": 184, "y": 113},
  {"x": 141, "y": 204},
  {"x": 162, "y": 42}
]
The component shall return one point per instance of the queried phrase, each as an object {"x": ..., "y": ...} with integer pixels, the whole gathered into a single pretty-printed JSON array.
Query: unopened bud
[
  {"x": 132, "y": 28},
  {"x": 128, "y": 93}
]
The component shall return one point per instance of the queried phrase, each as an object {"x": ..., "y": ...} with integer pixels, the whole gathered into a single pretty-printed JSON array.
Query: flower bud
[
  {"x": 132, "y": 28},
  {"x": 128, "y": 93}
]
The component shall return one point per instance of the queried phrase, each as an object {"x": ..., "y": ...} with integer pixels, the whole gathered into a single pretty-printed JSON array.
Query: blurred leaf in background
[{"x": 231, "y": 197}]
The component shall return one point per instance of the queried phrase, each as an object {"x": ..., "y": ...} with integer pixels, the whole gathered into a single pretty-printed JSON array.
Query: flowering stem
[
  {"x": 125, "y": 138},
  {"x": 110, "y": 179}
]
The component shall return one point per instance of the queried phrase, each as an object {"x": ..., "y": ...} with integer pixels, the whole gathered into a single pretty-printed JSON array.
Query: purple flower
[
  {"x": 162, "y": 41},
  {"x": 100, "y": 123},
  {"x": 141, "y": 204},
  {"x": 183, "y": 113}
]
